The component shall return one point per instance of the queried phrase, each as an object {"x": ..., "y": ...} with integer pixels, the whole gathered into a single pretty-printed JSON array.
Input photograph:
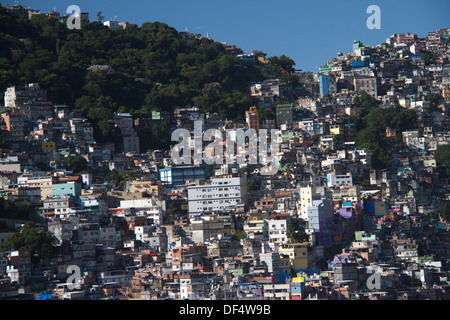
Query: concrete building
[
  {"x": 177, "y": 176},
  {"x": 307, "y": 195},
  {"x": 219, "y": 194},
  {"x": 284, "y": 113},
  {"x": 324, "y": 81},
  {"x": 320, "y": 221},
  {"x": 297, "y": 253},
  {"x": 251, "y": 118},
  {"x": 278, "y": 231},
  {"x": 130, "y": 138},
  {"x": 334, "y": 180},
  {"x": 29, "y": 100}
]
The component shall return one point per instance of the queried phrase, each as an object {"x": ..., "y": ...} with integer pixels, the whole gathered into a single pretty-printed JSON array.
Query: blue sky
[{"x": 310, "y": 32}]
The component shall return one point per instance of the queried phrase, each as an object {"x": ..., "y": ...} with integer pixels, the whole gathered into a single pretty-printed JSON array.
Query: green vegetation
[
  {"x": 156, "y": 137},
  {"x": 435, "y": 98},
  {"x": 238, "y": 235},
  {"x": 265, "y": 229},
  {"x": 426, "y": 57},
  {"x": 372, "y": 125},
  {"x": 442, "y": 157},
  {"x": 296, "y": 234},
  {"x": 76, "y": 163},
  {"x": 282, "y": 65},
  {"x": 42, "y": 245},
  {"x": 445, "y": 211},
  {"x": 17, "y": 210},
  {"x": 119, "y": 179},
  {"x": 99, "y": 71}
]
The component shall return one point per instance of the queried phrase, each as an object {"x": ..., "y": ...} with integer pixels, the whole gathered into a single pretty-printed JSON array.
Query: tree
[
  {"x": 42, "y": 245},
  {"x": 288, "y": 172},
  {"x": 367, "y": 101},
  {"x": 117, "y": 178},
  {"x": 434, "y": 98},
  {"x": 156, "y": 137},
  {"x": 426, "y": 57},
  {"x": 266, "y": 114},
  {"x": 238, "y": 235},
  {"x": 76, "y": 163},
  {"x": 434, "y": 216},
  {"x": 251, "y": 186},
  {"x": 281, "y": 65},
  {"x": 99, "y": 16},
  {"x": 259, "y": 53},
  {"x": 421, "y": 247},
  {"x": 373, "y": 125},
  {"x": 444, "y": 209},
  {"x": 296, "y": 234},
  {"x": 442, "y": 157},
  {"x": 265, "y": 229},
  {"x": 17, "y": 210}
]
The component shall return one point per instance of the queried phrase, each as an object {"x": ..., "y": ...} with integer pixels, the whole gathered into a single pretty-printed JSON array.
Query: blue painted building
[
  {"x": 177, "y": 176},
  {"x": 324, "y": 81},
  {"x": 358, "y": 64},
  {"x": 67, "y": 189}
]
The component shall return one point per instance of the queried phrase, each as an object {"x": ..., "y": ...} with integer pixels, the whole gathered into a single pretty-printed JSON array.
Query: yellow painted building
[
  {"x": 149, "y": 187},
  {"x": 251, "y": 118},
  {"x": 348, "y": 194},
  {"x": 48, "y": 146},
  {"x": 446, "y": 95},
  {"x": 297, "y": 253},
  {"x": 336, "y": 129}
]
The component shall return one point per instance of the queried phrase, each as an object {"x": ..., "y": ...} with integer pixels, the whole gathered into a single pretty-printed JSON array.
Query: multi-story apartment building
[
  {"x": 44, "y": 183},
  {"x": 334, "y": 180},
  {"x": 29, "y": 100},
  {"x": 130, "y": 138},
  {"x": 251, "y": 118},
  {"x": 177, "y": 176},
  {"x": 14, "y": 124},
  {"x": 19, "y": 266},
  {"x": 219, "y": 194},
  {"x": 297, "y": 253},
  {"x": 307, "y": 195},
  {"x": 278, "y": 227}
]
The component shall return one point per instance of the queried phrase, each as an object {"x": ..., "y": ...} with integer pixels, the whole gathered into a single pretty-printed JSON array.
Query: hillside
[{"x": 98, "y": 71}]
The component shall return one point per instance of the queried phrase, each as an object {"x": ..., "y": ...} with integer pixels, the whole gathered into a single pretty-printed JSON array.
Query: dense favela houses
[{"x": 352, "y": 212}]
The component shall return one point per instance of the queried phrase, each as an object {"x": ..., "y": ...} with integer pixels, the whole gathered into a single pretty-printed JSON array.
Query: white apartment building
[
  {"x": 254, "y": 229},
  {"x": 218, "y": 194},
  {"x": 334, "y": 180},
  {"x": 42, "y": 182},
  {"x": 277, "y": 291},
  {"x": 307, "y": 195},
  {"x": 311, "y": 127},
  {"x": 277, "y": 232},
  {"x": 143, "y": 233},
  {"x": 148, "y": 206}
]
